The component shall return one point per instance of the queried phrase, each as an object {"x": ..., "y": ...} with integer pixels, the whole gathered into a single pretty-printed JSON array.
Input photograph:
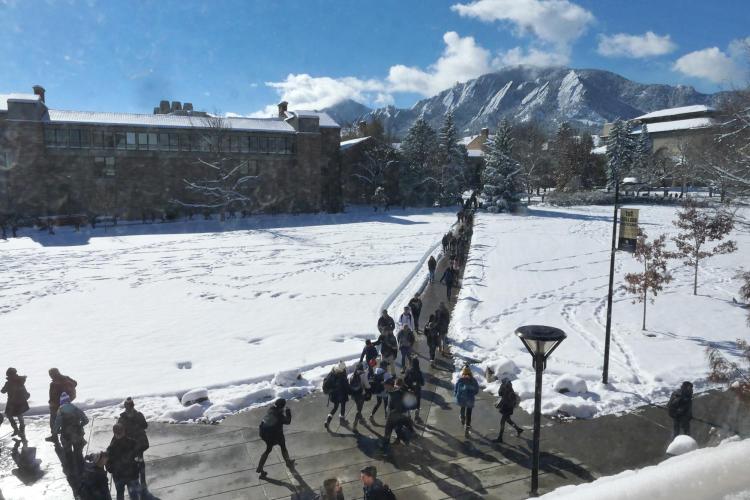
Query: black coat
[
  {"x": 272, "y": 425},
  {"x": 376, "y": 492},
  {"x": 414, "y": 379},
  {"x": 135, "y": 427},
  {"x": 416, "y": 306},
  {"x": 386, "y": 324},
  {"x": 388, "y": 343},
  {"x": 18, "y": 403},
  {"x": 94, "y": 483},
  {"x": 449, "y": 277},
  {"x": 508, "y": 400},
  {"x": 432, "y": 264},
  {"x": 431, "y": 334},
  {"x": 368, "y": 353},
  {"x": 121, "y": 463},
  {"x": 680, "y": 405},
  {"x": 340, "y": 390}
]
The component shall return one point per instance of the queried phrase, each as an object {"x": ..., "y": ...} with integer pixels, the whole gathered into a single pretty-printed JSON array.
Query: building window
[
  {"x": 105, "y": 165},
  {"x": 289, "y": 145},
  {"x": 234, "y": 144},
  {"x": 112, "y": 140},
  {"x": 164, "y": 142},
  {"x": 244, "y": 144},
  {"x": 253, "y": 144},
  {"x": 153, "y": 143},
  {"x": 173, "y": 142},
  {"x": 130, "y": 138},
  {"x": 49, "y": 137},
  {"x": 184, "y": 142},
  {"x": 75, "y": 138},
  {"x": 96, "y": 140},
  {"x": 142, "y": 140},
  {"x": 61, "y": 138},
  {"x": 263, "y": 144}
]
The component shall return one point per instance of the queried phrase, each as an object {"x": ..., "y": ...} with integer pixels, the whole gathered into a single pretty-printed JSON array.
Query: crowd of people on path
[{"x": 86, "y": 475}]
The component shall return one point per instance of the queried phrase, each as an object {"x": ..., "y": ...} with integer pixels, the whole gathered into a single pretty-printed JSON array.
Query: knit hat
[
  {"x": 341, "y": 367},
  {"x": 280, "y": 403},
  {"x": 64, "y": 398},
  {"x": 466, "y": 372}
]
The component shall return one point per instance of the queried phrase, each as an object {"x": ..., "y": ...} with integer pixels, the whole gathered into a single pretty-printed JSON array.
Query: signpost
[{"x": 628, "y": 229}]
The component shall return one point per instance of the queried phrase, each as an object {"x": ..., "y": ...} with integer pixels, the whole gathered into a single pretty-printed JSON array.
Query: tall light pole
[
  {"x": 608, "y": 329},
  {"x": 540, "y": 341}
]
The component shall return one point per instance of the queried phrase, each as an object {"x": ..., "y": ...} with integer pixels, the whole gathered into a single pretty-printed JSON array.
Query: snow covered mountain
[{"x": 585, "y": 97}]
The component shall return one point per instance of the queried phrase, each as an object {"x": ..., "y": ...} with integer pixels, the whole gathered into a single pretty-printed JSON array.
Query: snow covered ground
[
  {"x": 241, "y": 308},
  {"x": 551, "y": 267}
]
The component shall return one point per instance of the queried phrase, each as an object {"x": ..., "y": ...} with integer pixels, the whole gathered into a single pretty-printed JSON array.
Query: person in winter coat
[
  {"x": 386, "y": 323},
  {"x": 465, "y": 392},
  {"x": 431, "y": 266},
  {"x": 443, "y": 317},
  {"x": 388, "y": 350},
  {"x": 406, "y": 319},
  {"x": 397, "y": 417},
  {"x": 369, "y": 352},
  {"x": 432, "y": 336},
  {"x": 59, "y": 383},
  {"x": 377, "y": 387},
  {"x": 405, "y": 344},
  {"x": 360, "y": 387},
  {"x": 446, "y": 240},
  {"x": 372, "y": 487},
  {"x": 94, "y": 482},
  {"x": 18, "y": 401},
  {"x": 680, "y": 408},
  {"x": 336, "y": 386},
  {"x": 121, "y": 463},
  {"x": 449, "y": 278},
  {"x": 414, "y": 380},
  {"x": 69, "y": 424},
  {"x": 508, "y": 402},
  {"x": 135, "y": 427},
  {"x": 415, "y": 304},
  {"x": 272, "y": 433}
]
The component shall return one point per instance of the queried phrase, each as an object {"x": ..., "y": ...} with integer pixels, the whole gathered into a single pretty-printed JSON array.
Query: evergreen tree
[
  {"x": 451, "y": 162},
  {"x": 500, "y": 178},
  {"x": 620, "y": 152},
  {"x": 417, "y": 182},
  {"x": 564, "y": 157},
  {"x": 642, "y": 158}
]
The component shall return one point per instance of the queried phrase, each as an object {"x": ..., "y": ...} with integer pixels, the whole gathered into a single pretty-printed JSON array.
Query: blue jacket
[{"x": 465, "y": 391}]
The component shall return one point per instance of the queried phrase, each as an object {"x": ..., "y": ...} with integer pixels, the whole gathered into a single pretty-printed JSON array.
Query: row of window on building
[
  {"x": 73, "y": 138},
  {"x": 105, "y": 166}
]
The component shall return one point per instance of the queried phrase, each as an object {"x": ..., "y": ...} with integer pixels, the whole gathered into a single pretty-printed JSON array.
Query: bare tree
[
  {"x": 654, "y": 275},
  {"x": 737, "y": 375},
  {"x": 698, "y": 227}
]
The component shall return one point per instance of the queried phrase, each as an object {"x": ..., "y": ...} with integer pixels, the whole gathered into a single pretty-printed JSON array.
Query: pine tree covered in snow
[
  {"x": 451, "y": 162},
  {"x": 654, "y": 276},
  {"x": 642, "y": 158},
  {"x": 419, "y": 148},
  {"x": 620, "y": 152},
  {"x": 500, "y": 178}
]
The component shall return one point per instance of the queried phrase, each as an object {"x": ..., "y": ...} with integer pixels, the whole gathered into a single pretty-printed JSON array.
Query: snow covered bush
[
  {"x": 194, "y": 396},
  {"x": 570, "y": 384},
  {"x": 499, "y": 368}
]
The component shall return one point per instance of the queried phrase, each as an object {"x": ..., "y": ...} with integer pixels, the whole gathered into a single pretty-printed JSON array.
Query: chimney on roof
[
  {"x": 176, "y": 106},
  {"x": 282, "y": 109},
  {"x": 39, "y": 90},
  {"x": 188, "y": 106},
  {"x": 486, "y": 133},
  {"x": 163, "y": 107}
]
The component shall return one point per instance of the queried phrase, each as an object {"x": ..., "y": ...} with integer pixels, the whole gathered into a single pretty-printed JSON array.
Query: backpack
[
  {"x": 674, "y": 402},
  {"x": 355, "y": 382},
  {"x": 69, "y": 386},
  {"x": 388, "y": 493},
  {"x": 328, "y": 383},
  {"x": 376, "y": 384}
]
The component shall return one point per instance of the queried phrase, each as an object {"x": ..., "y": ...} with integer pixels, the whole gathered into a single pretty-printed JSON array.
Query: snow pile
[
  {"x": 719, "y": 472},
  {"x": 681, "y": 444},
  {"x": 240, "y": 308},
  {"x": 194, "y": 396},
  {"x": 501, "y": 367},
  {"x": 551, "y": 267}
]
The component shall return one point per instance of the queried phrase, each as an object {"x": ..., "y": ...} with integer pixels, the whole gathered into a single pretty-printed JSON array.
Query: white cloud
[
  {"x": 714, "y": 65},
  {"x": 532, "y": 57},
  {"x": 648, "y": 44},
  {"x": 558, "y": 22}
]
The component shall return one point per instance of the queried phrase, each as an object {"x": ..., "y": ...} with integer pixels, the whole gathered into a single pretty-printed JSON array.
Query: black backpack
[
  {"x": 376, "y": 384},
  {"x": 328, "y": 383},
  {"x": 388, "y": 493},
  {"x": 355, "y": 382},
  {"x": 674, "y": 403}
]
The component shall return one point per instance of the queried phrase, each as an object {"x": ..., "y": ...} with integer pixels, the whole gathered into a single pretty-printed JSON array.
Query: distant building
[{"x": 131, "y": 165}]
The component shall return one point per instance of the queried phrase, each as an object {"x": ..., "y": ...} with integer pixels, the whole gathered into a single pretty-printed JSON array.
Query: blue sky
[{"x": 242, "y": 56}]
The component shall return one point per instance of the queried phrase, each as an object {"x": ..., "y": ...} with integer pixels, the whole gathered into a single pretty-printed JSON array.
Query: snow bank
[
  {"x": 681, "y": 444},
  {"x": 719, "y": 472},
  {"x": 570, "y": 384}
]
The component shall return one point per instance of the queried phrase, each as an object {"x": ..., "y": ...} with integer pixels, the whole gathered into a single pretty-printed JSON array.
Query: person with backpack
[
  {"x": 414, "y": 380},
  {"x": 59, "y": 384},
  {"x": 369, "y": 352},
  {"x": 432, "y": 336},
  {"x": 18, "y": 401},
  {"x": 372, "y": 487},
  {"x": 272, "y": 433},
  {"x": 336, "y": 386},
  {"x": 680, "y": 408},
  {"x": 135, "y": 427},
  {"x": 465, "y": 392},
  {"x": 405, "y": 344},
  {"x": 69, "y": 424},
  {"x": 449, "y": 278},
  {"x": 388, "y": 350},
  {"x": 359, "y": 386},
  {"x": 415, "y": 304},
  {"x": 385, "y": 323},
  {"x": 94, "y": 483},
  {"x": 431, "y": 267},
  {"x": 121, "y": 463},
  {"x": 377, "y": 388},
  {"x": 406, "y": 319},
  {"x": 507, "y": 403}
]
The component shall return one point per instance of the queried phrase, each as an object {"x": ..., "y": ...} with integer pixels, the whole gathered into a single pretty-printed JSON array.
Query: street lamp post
[
  {"x": 613, "y": 250},
  {"x": 540, "y": 341}
]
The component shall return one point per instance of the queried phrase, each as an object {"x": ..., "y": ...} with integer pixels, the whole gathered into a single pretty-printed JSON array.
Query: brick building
[{"x": 56, "y": 162}]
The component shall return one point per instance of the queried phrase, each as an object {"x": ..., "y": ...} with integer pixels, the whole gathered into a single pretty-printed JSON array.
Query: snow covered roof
[
  {"x": 325, "y": 119},
  {"x": 684, "y": 110},
  {"x": 352, "y": 142},
  {"x": 600, "y": 150},
  {"x": 688, "y": 124},
  {"x": 4, "y": 98},
  {"x": 466, "y": 140},
  {"x": 475, "y": 153},
  {"x": 171, "y": 121}
]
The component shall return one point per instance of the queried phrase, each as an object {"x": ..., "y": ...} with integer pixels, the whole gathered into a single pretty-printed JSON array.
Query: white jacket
[{"x": 406, "y": 319}]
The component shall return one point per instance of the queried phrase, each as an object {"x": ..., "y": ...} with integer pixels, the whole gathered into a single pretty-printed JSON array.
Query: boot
[
  {"x": 416, "y": 415},
  {"x": 498, "y": 439},
  {"x": 15, "y": 427},
  {"x": 328, "y": 420}
]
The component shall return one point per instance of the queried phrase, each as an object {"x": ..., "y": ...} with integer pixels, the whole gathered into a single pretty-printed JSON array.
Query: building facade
[{"x": 57, "y": 162}]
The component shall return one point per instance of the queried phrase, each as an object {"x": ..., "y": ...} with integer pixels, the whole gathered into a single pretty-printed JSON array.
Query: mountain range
[{"x": 587, "y": 98}]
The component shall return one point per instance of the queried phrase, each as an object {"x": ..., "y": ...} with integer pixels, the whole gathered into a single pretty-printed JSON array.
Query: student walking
[
  {"x": 415, "y": 304},
  {"x": 443, "y": 317},
  {"x": 372, "y": 487},
  {"x": 406, "y": 319},
  {"x": 397, "y": 419},
  {"x": 431, "y": 266},
  {"x": 449, "y": 278},
  {"x": 69, "y": 424},
  {"x": 94, "y": 483},
  {"x": 414, "y": 380},
  {"x": 432, "y": 336},
  {"x": 388, "y": 350},
  {"x": 359, "y": 386},
  {"x": 135, "y": 426},
  {"x": 465, "y": 392},
  {"x": 507, "y": 403},
  {"x": 385, "y": 323},
  {"x": 405, "y": 344},
  {"x": 336, "y": 386},
  {"x": 377, "y": 388},
  {"x": 122, "y": 464},
  {"x": 18, "y": 401},
  {"x": 369, "y": 352},
  {"x": 272, "y": 433},
  {"x": 58, "y": 385},
  {"x": 680, "y": 408}
]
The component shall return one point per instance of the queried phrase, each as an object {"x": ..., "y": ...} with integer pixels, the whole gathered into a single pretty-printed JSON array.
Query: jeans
[
  {"x": 448, "y": 289},
  {"x": 432, "y": 348},
  {"x": 134, "y": 489},
  {"x": 269, "y": 446},
  {"x": 405, "y": 357},
  {"x": 395, "y": 420},
  {"x": 380, "y": 400},
  {"x": 431, "y": 276},
  {"x": 336, "y": 407},
  {"x": 506, "y": 418},
  {"x": 466, "y": 415}
]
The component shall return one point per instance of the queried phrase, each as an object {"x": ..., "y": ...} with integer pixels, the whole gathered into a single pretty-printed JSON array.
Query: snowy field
[
  {"x": 161, "y": 309},
  {"x": 551, "y": 267}
]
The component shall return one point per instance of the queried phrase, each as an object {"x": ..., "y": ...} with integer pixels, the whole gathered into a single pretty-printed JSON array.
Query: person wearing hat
[
  {"x": 122, "y": 464},
  {"x": 272, "y": 433},
  {"x": 135, "y": 427},
  {"x": 59, "y": 384},
  {"x": 94, "y": 483},
  {"x": 372, "y": 487},
  {"x": 336, "y": 386},
  {"x": 465, "y": 392},
  {"x": 69, "y": 424},
  {"x": 18, "y": 401}
]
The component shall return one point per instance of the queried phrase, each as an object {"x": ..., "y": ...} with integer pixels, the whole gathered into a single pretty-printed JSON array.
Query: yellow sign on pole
[{"x": 628, "y": 229}]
